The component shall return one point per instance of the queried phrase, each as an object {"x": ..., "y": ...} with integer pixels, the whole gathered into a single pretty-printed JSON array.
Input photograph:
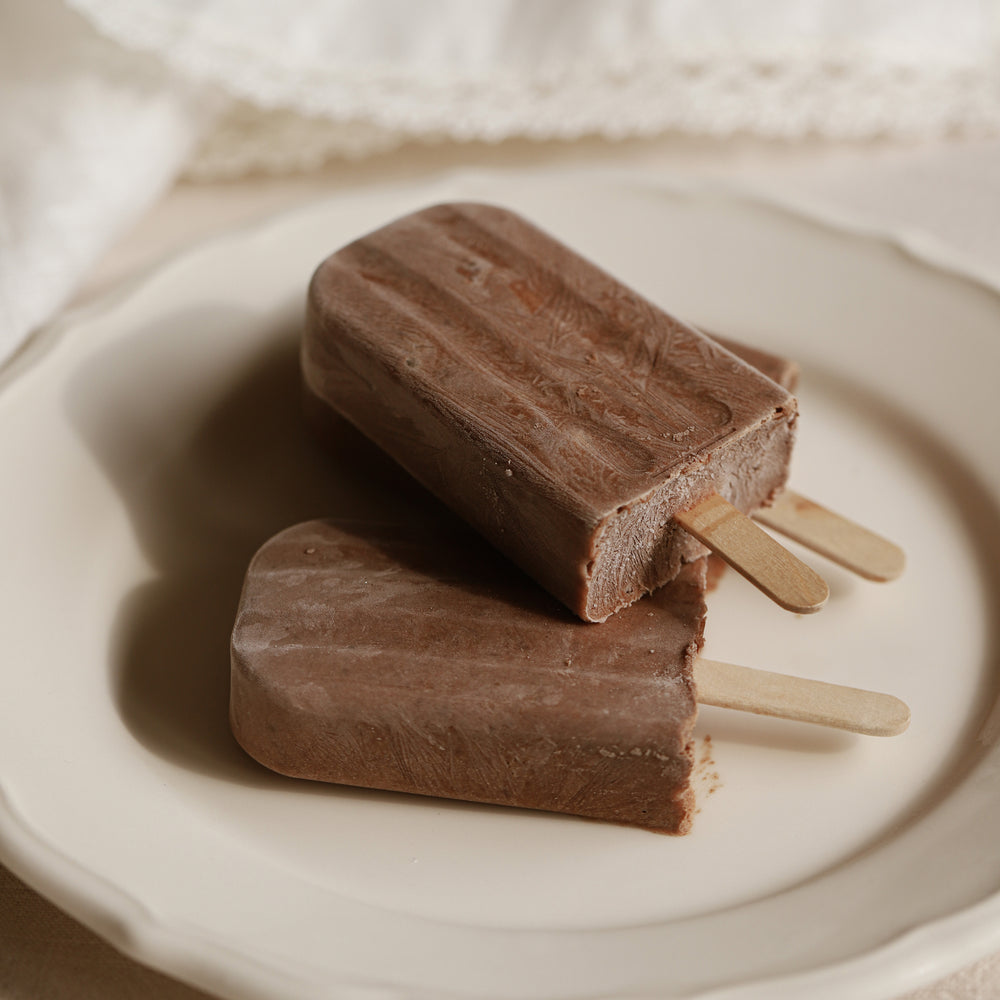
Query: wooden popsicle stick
[
  {"x": 750, "y": 550},
  {"x": 800, "y": 699},
  {"x": 840, "y": 540}
]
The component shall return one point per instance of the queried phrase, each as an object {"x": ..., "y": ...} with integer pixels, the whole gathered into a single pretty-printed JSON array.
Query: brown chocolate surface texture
[
  {"x": 558, "y": 412},
  {"x": 784, "y": 371},
  {"x": 408, "y": 655}
]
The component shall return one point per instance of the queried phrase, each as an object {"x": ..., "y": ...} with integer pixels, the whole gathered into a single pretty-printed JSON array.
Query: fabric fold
[{"x": 92, "y": 135}]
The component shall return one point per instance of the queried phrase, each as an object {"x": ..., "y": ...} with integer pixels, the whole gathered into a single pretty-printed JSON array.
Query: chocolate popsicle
[
  {"x": 402, "y": 657},
  {"x": 409, "y": 656},
  {"x": 568, "y": 419}
]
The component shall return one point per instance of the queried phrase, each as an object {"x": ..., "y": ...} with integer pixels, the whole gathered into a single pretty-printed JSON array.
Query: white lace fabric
[
  {"x": 311, "y": 81},
  {"x": 105, "y": 102}
]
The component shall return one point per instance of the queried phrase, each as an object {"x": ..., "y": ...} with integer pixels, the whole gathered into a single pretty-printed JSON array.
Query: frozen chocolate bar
[
  {"x": 395, "y": 656},
  {"x": 568, "y": 419},
  {"x": 409, "y": 656}
]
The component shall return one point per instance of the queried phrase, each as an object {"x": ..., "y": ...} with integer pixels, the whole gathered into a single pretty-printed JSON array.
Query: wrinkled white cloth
[
  {"x": 105, "y": 102},
  {"x": 90, "y": 134}
]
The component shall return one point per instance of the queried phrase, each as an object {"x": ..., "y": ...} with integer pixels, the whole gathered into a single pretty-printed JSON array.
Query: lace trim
[
  {"x": 293, "y": 114},
  {"x": 719, "y": 103}
]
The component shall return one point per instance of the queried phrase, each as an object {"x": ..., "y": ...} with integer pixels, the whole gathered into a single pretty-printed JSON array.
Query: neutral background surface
[{"x": 946, "y": 193}]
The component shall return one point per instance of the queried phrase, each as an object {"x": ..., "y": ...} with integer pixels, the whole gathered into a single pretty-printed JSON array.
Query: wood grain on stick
[
  {"x": 840, "y": 540},
  {"x": 765, "y": 693},
  {"x": 751, "y": 551}
]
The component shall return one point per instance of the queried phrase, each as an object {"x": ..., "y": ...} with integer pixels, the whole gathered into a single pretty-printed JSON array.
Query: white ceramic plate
[{"x": 152, "y": 444}]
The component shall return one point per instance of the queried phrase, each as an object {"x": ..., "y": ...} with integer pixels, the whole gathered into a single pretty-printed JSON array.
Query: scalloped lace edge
[{"x": 289, "y": 117}]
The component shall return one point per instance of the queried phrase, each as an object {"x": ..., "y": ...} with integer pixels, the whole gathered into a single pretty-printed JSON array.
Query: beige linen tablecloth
[{"x": 949, "y": 193}]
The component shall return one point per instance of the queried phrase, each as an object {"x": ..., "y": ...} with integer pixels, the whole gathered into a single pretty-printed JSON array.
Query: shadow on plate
[
  {"x": 210, "y": 461},
  {"x": 975, "y": 508}
]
